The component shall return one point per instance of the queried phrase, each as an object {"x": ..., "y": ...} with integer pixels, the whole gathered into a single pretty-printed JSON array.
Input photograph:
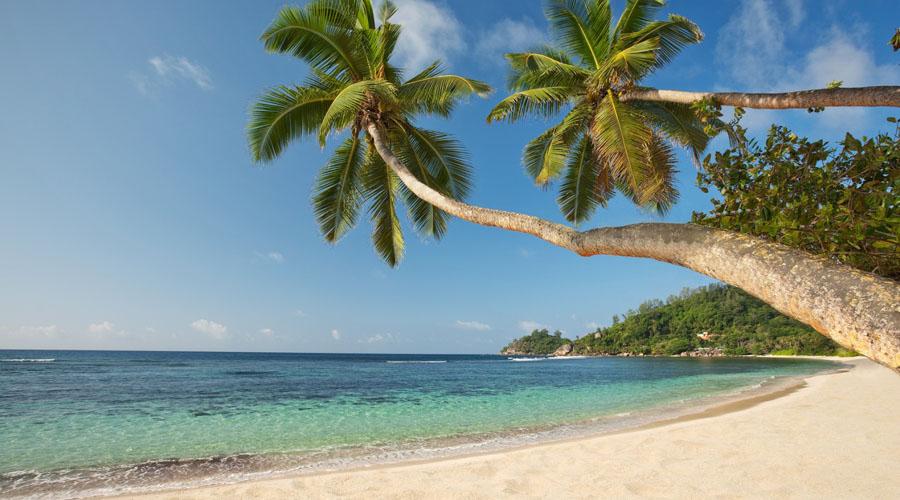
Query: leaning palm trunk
[
  {"x": 858, "y": 310},
  {"x": 860, "y": 96}
]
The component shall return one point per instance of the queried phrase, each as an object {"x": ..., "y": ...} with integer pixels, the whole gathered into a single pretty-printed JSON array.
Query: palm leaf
[
  {"x": 674, "y": 35},
  {"x": 544, "y": 68},
  {"x": 637, "y": 14},
  {"x": 435, "y": 93},
  {"x": 283, "y": 114},
  {"x": 381, "y": 192},
  {"x": 445, "y": 159},
  {"x": 679, "y": 123},
  {"x": 349, "y": 102},
  {"x": 338, "y": 190},
  {"x": 658, "y": 191},
  {"x": 545, "y": 156},
  {"x": 428, "y": 220},
  {"x": 568, "y": 19},
  {"x": 619, "y": 136},
  {"x": 543, "y": 101},
  {"x": 325, "y": 46},
  {"x": 631, "y": 62},
  {"x": 578, "y": 196}
]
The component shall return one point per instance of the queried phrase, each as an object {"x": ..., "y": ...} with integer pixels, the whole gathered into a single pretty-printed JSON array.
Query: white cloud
[
  {"x": 528, "y": 326},
  {"x": 267, "y": 332},
  {"x": 168, "y": 70},
  {"x": 751, "y": 42},
  {"x": 300, "y": 314},
  {"x": 215, "y": 330},
  {"x": 508, "y": 35},
  {"x": 429, "y": 32},
  {"x": 102, "y": 327},
  {"x": 335, "y": 334},
  {"x": 273, "y": 256},
  {"x": 796, "y": 12},
  {"x": 472, "y": 325},
  {"x": 754, "y": 45},
  {"x": 378, "y": 338}
]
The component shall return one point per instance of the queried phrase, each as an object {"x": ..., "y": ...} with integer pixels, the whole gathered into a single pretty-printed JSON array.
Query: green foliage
[
  {"x": 736, "y": 322},
  {"x": 539, "y": 343},
  {"x": 353, "y": 85},
  {"x": 592, "y": 63},
  {"x": 843, "y": 203}
]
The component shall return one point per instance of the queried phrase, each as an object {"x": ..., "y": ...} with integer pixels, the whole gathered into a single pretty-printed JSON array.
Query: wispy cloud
[
  {"x": 166, "y": 71},
  {"x": 336, "y": 334},
  {"x": 266, "y": 332},
  {"x": 755, "y": 48},
  {"x": 377, "y": 339},
  {"x": 472, "y": 325},
  {"x": 215, "y": 330},
  {"x": 273, "y": 256},
  {"x": 508, "y": 35},
  {"x": 430, "y": 32},
  {"x": 102, "y": 327},
  {"x": 528, "y": 326},
  {"x": 300, "y": 313}
]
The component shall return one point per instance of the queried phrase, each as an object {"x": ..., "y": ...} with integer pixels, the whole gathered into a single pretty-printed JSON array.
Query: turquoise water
[{"x": 74, "y": 423}]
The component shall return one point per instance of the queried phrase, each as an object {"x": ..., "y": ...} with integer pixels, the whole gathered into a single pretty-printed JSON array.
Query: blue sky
[{"x": 132, "y": 218}]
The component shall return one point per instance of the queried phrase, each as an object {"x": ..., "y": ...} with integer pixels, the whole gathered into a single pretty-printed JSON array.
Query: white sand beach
[{"x": 838, "y": 436}]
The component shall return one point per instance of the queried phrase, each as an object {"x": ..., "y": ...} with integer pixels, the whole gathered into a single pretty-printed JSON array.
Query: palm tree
[
  {"x": 354, "y": 88},
  {"x": 352, "y": 85},
  {"x": 603, "y": 144}
]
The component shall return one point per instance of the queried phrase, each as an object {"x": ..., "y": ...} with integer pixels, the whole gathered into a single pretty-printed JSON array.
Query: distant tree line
[{"x": 714, "y": 316}]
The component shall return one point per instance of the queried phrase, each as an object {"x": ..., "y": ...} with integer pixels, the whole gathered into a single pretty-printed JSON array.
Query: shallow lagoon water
[{"x": 75, "y": 423}]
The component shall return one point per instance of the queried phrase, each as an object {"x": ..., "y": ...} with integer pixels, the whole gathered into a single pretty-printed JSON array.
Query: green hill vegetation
[
  {"x": 540, "y": 343},
  {"x": 714, "y": 319}
]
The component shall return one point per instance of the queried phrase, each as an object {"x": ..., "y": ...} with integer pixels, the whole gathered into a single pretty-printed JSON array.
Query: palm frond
[
  {"x": 544, "y": 157},
  {"x": 338, "y": 190},
  {"x": 428, "y": 220},
  {"x": 542, "y": 101},
  {"x": 630, "y": 63},
  {"x": 283, "y": 114},
  {"x": 435, "y": 93},
  {"x": 350, "y": 101},
  {"x": 679, "y": 123},
  {"x": 578, "y": 196},
  {"x": 568, "y": 20},
  {"x": 445, "y": 158},
  {"x": 546, "y": 67},
  {"x": 637, "y": 14},
  {"x": 313, "y": 38},
  {"x": 599, "y": 18},
  {"x": 674, "y": 35},
  {"x": 619, "y": 135},
  {"x": 337, "y": 13},
  {"x": 658, "y": 191},
  {"x": 381, "y": 191}
]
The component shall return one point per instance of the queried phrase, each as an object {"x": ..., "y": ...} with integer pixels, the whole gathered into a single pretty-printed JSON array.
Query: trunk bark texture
[
  {"x": 858, "y": 310},
  {"x": 862, "y": 96}
]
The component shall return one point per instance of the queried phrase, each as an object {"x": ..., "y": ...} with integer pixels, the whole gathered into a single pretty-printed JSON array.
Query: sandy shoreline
[{"x": 836, "y": 436}]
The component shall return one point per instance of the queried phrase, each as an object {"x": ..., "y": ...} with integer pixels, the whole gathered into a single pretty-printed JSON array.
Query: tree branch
[
  {"x": 859, "y": 96},
  {"x": 858, "y": 310}
]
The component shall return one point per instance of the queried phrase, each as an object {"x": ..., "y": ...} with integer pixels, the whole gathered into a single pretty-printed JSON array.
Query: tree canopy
[
  {"x": 353, "y": 83},
  {"x": 603, "y": 144},
  {"x": 842, "y": 202}
]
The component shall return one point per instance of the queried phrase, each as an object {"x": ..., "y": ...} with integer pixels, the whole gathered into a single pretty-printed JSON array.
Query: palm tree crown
[
  {"x": 603, "y": 144},
  {"x": 353, "y": 85}
]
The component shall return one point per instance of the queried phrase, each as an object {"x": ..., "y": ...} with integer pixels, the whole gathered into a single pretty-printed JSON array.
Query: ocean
[{"x": 81, "y": 423}]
